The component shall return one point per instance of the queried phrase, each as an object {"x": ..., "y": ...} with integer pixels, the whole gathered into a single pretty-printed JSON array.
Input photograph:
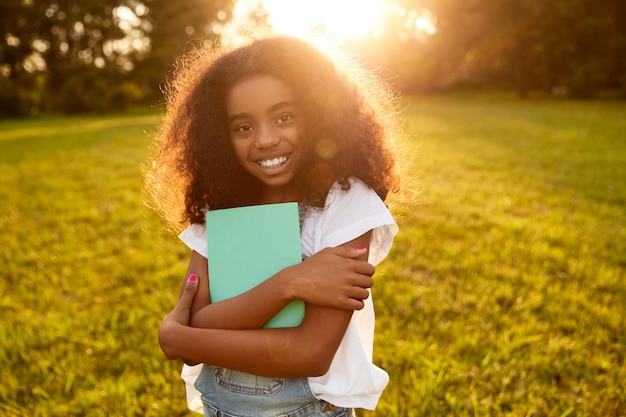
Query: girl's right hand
[
  {"x": 177, "y": 318},
  {"x": 334, "y": 277}
]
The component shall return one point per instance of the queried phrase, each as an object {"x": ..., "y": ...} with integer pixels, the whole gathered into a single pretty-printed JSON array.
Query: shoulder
[
  {"x": 350, "y": 213},
  {"x": 357, "y": 187},
  {"x": 194, "y": 236},
  {"x": 338, "y": 197},
  {"x": 356, "y": 202}
]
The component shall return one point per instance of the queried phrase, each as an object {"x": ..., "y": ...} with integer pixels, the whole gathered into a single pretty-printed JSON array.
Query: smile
[{"x": 273, "y": 163}]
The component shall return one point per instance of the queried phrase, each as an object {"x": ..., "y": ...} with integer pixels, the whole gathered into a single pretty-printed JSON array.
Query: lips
[{"x": 274, "y": 162}]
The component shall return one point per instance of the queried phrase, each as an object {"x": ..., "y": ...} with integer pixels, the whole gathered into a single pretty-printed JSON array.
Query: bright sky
[{"x": 341, "y": 18}]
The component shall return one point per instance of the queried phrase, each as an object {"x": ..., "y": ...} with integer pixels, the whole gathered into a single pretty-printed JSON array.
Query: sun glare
[
  {"x": 342, "y": 18},
  {"x": 351, "y": 19}
]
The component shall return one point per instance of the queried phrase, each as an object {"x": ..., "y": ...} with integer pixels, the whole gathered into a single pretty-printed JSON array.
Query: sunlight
[
  {"x": 419, "y": 22},
  {"x": 425, "y": 24},
  {"x": 349, "y": 19},
  {"x": 342, "y": 18}
]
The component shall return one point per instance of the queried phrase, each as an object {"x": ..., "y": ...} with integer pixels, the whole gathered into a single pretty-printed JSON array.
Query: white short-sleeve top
[{"x": 352, "y": 379}]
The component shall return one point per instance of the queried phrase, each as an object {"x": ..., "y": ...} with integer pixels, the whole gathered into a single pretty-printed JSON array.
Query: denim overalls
[{"x": 227, "y": 393}]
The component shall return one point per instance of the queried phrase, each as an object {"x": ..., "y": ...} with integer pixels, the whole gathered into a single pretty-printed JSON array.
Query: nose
[{"x": 267, "y": 137}]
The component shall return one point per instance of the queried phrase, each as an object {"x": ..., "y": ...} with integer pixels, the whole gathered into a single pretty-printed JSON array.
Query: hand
[
  {"x": 334, "y": 277},
  {"x": 177, "y": 318}
]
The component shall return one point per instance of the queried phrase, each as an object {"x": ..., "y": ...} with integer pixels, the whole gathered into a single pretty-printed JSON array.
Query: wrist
[
  {"x": 287, "y": 288},
  {"x": 298, "y": 286}
]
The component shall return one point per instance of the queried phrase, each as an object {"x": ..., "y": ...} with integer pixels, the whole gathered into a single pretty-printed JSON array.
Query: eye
[
  {"x": 284, "y": 118},
  {"x": 243, "y": 128}
]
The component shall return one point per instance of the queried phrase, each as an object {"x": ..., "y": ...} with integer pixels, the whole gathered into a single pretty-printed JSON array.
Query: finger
[
  {"x": 364, "y": 268},
  {"x": 353, "y": 304},
  {"x": 356, "y": 252},
  {"x": 347, "y": 251},
  {"x": 358, "y": 293},
  {"x": 364, "y": 281},
  {"x": 188, "y": 293}
]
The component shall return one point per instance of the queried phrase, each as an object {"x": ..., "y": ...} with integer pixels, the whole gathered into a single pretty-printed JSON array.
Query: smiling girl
[{"x": 277, "y": 121}]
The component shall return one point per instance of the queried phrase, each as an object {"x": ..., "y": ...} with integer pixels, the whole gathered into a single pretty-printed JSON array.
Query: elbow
[
  {"x": 168, "y": 351},
  {"x": 317, "y": 360},
  {"x": 167, "y": 344},
  {"x": 318, "y": 370},
  {"x": 303, "y": 359},
  {"x": 306, "y": 367}
]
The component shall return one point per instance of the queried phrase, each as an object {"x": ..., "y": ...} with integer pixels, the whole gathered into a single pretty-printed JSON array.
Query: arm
[
  {"x": 238, "y": 313},
  {"x": 327, "y": 278},
  {"x": 306, "y": 350}
]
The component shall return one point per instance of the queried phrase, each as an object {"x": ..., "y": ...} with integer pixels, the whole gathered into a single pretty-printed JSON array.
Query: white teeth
[{"x": 273, "y": 163}]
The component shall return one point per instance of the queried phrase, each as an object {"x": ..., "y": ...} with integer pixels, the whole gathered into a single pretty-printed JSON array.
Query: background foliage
[
  {"x": 74, "y": 56},
  {"x": 503, "y": 295}
]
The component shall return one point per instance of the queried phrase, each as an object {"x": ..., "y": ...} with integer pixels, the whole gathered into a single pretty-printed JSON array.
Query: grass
[{"x": 503, "y": 295}]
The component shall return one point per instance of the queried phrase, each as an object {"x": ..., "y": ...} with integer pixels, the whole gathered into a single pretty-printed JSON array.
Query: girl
[{"x": 275, "y": 121}]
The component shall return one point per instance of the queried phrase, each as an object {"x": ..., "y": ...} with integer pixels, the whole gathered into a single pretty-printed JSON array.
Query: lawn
[{"x": 503, "y": 295}]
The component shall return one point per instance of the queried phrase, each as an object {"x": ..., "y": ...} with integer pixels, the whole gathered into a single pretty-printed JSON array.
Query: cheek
[
  {"x": 293, "y": 135},
  {"x": 237, "y": 149},
  {"x": 241, "y": 150}
]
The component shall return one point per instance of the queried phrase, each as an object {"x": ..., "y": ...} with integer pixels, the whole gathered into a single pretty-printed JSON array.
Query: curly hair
[{"x": 348, "y": 116}]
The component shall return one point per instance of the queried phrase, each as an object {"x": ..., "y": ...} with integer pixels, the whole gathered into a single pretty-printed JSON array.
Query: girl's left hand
[
  {"x": 177, "y": 318},
  {"x": 334, "y": 277}
]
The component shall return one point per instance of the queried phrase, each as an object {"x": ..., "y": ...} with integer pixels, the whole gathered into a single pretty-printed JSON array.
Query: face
[{"x": 263, "y": 123}]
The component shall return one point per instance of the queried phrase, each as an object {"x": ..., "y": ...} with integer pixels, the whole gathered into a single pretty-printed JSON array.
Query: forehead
[{"x": 258, "y": 93}]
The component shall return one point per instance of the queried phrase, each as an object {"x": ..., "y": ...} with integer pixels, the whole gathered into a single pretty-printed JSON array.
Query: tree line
[
  {"x": 74, "y": 56},
  {"x": 575, "y": 47},
  {"x": 77, "y": 56}
]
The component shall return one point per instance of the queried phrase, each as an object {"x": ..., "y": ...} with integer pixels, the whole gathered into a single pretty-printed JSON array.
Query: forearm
[
  {"x": 250, "y": 310},
  {"x": 337, "y": 278},
  {"x": 246, "y": 350},
  {"x": 301, "y": 351}
]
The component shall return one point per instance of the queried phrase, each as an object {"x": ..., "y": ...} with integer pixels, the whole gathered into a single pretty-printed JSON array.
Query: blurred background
[
  {"x": 504, "y": 294},
  {"x": 77, "y": 56}
]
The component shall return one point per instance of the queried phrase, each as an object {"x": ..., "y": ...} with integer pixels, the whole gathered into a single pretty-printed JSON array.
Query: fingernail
[
  {"x": 360, "y": 249},
  {"x": 192, "y": 277}
]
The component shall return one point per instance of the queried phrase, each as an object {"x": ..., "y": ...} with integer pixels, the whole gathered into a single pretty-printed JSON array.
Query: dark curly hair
[{"x": 348, "y": 125}]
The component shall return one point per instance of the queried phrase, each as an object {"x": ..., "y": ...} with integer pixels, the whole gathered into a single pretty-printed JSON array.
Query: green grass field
[{"x": 503, "y": 296}]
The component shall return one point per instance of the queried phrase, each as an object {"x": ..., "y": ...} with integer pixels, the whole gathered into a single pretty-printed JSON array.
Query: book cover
[{"x": 247, "y": 245}]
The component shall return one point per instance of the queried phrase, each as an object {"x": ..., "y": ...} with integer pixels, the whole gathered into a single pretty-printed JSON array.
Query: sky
[{"x": 339, "y": 18}]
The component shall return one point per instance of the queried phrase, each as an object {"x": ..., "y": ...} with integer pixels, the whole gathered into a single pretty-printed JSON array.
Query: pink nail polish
[
  {"x": 360, "y": 249},
  {"x": 192, "y": 277}
]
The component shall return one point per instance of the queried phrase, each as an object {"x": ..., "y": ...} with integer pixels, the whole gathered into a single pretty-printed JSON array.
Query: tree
[
  {"x": 578, "y": 46},
  {"x": 63, "y": 45},
  {"x": 574, "y": 46},
  {"x": 86, "y": 55},
  {"x": 175, "y": 28},
  {"x": 401, "y": 47},
  {"x": 16, "y": 92}
]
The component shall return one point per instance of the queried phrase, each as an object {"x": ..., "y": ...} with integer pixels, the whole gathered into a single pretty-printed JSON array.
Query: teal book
[{"x": 247, "y": 245}]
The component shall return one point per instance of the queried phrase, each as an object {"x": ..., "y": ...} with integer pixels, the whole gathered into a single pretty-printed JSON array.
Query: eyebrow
[{"x": 277, "y": 106}]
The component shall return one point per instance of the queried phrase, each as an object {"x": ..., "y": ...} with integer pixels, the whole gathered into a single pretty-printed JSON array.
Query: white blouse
[{"x": 352, "y": 379}]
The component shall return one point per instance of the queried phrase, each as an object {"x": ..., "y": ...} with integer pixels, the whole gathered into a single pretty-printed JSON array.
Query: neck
[{"x": 278, "y": 195}]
